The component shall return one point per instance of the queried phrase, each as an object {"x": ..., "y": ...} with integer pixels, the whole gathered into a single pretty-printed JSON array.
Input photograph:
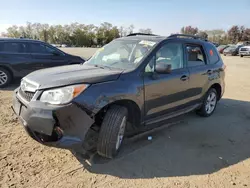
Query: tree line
[
  {"x": 74, "y": 34},
  {"x": 81, "y": 35},
  {"x": 234, "y": 35}
]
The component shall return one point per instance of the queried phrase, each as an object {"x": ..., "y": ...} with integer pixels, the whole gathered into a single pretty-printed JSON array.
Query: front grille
[
  {"x": 244, "y": 49},
  {"x": 27, "y": 95}
]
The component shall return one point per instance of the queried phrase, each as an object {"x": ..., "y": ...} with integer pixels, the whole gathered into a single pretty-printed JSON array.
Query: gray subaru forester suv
[{"x": 129, "y": 84}]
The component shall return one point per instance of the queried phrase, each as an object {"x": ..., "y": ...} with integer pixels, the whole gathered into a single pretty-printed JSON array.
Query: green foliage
[
  {"x": 234, "y": 35},
  {"x": 203, "y": 34},
  {"x": 90, "y": 35},
  {"x": 74, "y": 34}
]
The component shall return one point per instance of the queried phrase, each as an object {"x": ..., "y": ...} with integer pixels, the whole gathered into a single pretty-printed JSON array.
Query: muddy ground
[{"x": 197, "y": 152}]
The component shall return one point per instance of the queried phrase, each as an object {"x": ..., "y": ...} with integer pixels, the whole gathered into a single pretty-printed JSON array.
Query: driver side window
[{"x": 169, "y": 54}]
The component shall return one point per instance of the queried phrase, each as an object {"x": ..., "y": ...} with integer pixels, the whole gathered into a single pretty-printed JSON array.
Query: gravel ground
[{"x": 197, "y": 152}]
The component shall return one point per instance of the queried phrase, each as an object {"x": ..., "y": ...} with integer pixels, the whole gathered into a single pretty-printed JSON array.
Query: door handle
[
  {"x": 184, "y": 78},
  {"x": 209, "y": 72}
]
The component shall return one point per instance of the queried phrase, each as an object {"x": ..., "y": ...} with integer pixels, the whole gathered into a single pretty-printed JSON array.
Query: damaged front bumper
[{"x": 63, "y": 126}]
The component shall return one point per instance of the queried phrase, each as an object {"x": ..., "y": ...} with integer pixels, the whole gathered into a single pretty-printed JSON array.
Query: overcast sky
[{"x": 162, "y": 16}]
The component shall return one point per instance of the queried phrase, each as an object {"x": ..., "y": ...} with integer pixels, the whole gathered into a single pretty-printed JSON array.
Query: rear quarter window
[{"x": 212, "y": 54}]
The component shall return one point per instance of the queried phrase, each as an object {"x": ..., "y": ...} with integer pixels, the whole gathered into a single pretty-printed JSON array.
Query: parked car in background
[
  {"x": 244, "y": 43},
  {"x": 232, "y": 50},
  {"x": 19, "y": 57},
  {"x": 133, "y": 83},
  {"x": 64, "y": 45},
  {"x": 244, "y": 51},
  {"x": 221, "y": 48},
  {"x": 56, "y": 45}
]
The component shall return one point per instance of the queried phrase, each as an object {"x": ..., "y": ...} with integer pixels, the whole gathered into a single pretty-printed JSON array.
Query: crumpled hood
[{"x": 71, "y": 74}]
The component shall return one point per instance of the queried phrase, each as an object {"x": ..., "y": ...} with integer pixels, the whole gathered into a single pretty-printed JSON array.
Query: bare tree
[
  {"x": 189, "y": 30},
  {"x": 146, "y": 31},
  {"x": 234, "y": 34}
]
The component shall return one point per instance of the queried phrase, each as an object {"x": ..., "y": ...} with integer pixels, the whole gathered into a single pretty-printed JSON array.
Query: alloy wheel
[
  {"x": 211, "y": 102},
  {"x": 3, "y": 78},
  {"x": 121, "y": 133}
]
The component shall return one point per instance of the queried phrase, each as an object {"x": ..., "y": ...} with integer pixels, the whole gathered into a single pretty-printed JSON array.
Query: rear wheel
[
  {"x": 112, "y": 131},
  {"x": 5, "y": 77},
  {"x": 209, "y": 103},
  {"x": 241, "y": 55}
]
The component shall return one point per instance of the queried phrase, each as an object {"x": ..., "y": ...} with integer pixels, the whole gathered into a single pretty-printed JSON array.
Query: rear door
[
  {"x": 15, "y": 55},
  {"x": 197, "y": 64},
  {"x": 45, "y": 56}
]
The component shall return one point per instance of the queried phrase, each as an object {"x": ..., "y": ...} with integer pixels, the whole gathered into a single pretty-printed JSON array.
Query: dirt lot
[{"x": 198, "y": 152}]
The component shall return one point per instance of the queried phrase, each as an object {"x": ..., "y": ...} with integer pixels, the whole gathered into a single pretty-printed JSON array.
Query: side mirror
[{"x": 162, "y": 68}]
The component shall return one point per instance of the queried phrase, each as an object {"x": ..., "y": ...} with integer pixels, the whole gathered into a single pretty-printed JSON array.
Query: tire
[
  {"x": 206, "y": 111},
  {"x": 241, "y": 55},
  {"x": 225, "y": 55},
  {"x": 112, "y": 131},
  {"x": 5, "y": 77}
]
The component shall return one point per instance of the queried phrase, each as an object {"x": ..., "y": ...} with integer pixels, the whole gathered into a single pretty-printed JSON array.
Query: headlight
[{"x": 62, "y": 95}]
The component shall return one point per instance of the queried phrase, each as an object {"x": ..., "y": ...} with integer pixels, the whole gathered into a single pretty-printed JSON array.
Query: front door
[
  {"x": 44, "y": 56},
  {"x": 164, "y": 93}
]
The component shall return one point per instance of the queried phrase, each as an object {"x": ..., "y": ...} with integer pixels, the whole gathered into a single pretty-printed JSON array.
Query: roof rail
[
  {"x": 136, "y": 34},
  {"x": 187, "y": 36}
]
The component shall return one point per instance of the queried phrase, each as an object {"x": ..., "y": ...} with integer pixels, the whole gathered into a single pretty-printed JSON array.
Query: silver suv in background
[{"x": 244, "y": 51}]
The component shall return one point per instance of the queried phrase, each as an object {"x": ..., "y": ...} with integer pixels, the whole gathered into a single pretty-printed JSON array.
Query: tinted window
[
  {"x": 41, "y": 49},
  {"x": 12, "y": 47},
  {"x": 195, "y": 56},
  {"x": 212, "y": 54}
]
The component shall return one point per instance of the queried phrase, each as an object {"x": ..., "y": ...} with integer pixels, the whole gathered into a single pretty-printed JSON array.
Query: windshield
[
  {"x": 221, "y": 47},
  {"x": 122, "y": 54},
  {"x": 232, "y": 47}
]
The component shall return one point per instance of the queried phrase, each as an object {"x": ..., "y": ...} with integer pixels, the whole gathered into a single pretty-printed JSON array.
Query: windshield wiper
[
  {"x": 102, "y": 66},
  {"x": 99, "y": 66}
]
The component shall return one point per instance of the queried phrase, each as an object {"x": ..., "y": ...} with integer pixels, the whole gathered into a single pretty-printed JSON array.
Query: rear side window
[
  {"x": 195, "y": 56},
  {"x": 212, "y": 54},
  {"x": 12, "y": 47}
]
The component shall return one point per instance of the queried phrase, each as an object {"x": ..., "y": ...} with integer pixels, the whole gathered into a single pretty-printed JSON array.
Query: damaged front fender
[
  {"x": 74, "y": 121},
  {"x": 57, "y": 126}
]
